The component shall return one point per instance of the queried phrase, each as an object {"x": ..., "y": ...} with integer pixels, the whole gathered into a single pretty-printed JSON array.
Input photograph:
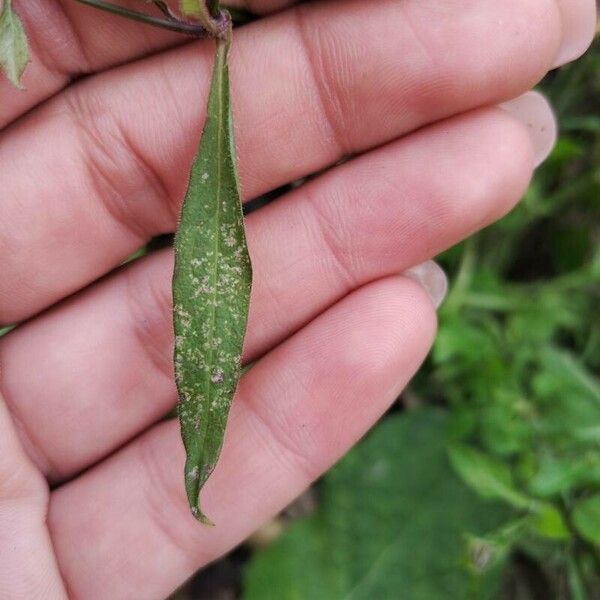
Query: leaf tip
[
  {"x": 201, "y": 517},
  {"x": 193, "y": 487},
  {"x": 17, "y": 79}
]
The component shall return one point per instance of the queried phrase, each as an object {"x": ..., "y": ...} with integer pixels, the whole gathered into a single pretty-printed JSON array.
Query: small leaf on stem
[{"x": 14, "y": 50}]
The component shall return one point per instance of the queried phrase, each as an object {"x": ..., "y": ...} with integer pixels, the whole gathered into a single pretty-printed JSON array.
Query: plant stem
[
  {"x": 164, "y": 9},
  {"x": 169, "y": 23}
]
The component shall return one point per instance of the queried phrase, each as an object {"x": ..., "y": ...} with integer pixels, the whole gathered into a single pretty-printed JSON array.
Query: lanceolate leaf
[
  {"x": 14, "y": 51},
  {"x": 194, "y": 8},
  {"x": 211, "y": 290}
]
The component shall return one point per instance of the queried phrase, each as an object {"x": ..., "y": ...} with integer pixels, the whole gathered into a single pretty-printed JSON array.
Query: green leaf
[
  {"x": 557, "y": 476},
  {"x": 549, "y": 523},
  {"x": 574, "y": 374},
  {"x": 211, "y": 290},
  {"x": 193, "y": 8},
  {"x": 568, "y": 395},
  {"x": 14, "y": 50},
  {"x": 487, "y": 476},
  {"x": 394, "y": 521},
  {"x": 586, "y": 519},
  {"x": 199, "y": 9}
]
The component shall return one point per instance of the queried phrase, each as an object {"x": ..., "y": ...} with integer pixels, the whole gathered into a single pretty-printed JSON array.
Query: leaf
[
  {"x": 575, "y": 375},
  {"x": 14, "y": 50},
  {"x": 586, "y": 519},
  {"x": 193, "y": 8},
  {"x": 487, "y": 476},
  {"x": 549, "y": 523},
  {"x": 394, "y": 522},
  {"x": 199, "y": 9},
  {"x": 211, "y": 290},
  {"x": 557, "y": 476}
]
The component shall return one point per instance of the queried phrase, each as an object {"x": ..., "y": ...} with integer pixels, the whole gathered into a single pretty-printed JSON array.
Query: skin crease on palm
[{"x": 92, "y": 503}]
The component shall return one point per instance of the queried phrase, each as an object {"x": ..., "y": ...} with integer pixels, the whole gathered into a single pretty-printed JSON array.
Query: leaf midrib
[{"x": 217, "y": 244}]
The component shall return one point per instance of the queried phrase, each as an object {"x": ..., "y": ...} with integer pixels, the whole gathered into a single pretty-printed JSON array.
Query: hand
[{"x": 92, "y": 169}]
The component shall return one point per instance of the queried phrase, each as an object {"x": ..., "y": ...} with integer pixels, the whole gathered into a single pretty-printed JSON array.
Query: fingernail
[
  {"x": 535, "y": 112},
  {"x": 579, "y": 22},
  {"x": 579, "y": 19},
  {"x": 431, "y": 277}
]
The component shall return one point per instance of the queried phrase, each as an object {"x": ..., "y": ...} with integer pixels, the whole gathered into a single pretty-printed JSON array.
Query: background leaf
[
  {"x": 14, "y": 50},
  {"x": 392, "y": 524},
  {"x": 488, "y": 477},
  {"x": 586, "y": 518},
  {"x": 557, "y": 476},
  {"x": 211, "y": 290}
]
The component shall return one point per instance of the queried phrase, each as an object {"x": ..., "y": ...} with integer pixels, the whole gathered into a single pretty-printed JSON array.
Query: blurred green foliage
[
  {"x": 391, "y": 518},
  {"x": 518, "y": 351},
  {"x": 515, "y": 368}
]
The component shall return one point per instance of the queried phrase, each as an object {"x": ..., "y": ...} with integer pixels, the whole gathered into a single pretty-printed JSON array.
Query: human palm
[{"x": 92, "y": 503}]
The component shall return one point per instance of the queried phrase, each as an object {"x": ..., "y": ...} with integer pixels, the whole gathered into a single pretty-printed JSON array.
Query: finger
[
  {"x": 580, "y": 22},
  {"x": 27, "y": 565},
  {"x": 111, "y": 375},
  {"x": 297, "y": 411},
  {"x": 68, "y": 39},
  {"x": 114, "y": 171}
]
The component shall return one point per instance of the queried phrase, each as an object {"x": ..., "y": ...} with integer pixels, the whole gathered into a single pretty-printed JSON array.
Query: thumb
[{"x": 28, "y": 568}]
